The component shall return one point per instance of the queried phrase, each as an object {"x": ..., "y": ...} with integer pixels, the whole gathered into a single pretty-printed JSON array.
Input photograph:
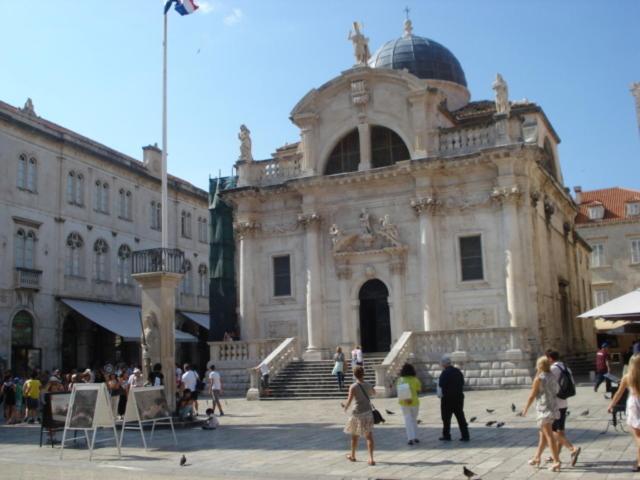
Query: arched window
[
  {"x": 98, "y": 196},
  {"x": 71, "y": 187},
  {"x": 79, "y": 189},
  {"x": 73, "y": 265},
  {"x": 105, "y": 198},
  {"x": 19, "y": 250},
  {"x": 22, "y": 329},
  {"x": 156, "y": 215},
  {"x": 203, "y": 280},
  {"x": 122, "y": 208},
  {"x": 387, "y": 147},
  {"x": 124, "y": 264},
  {"x": 345, "y": 156},
  {"x": 185, "y": 224},
  {"x": 186, "y": 285},
  {"x": 22, "y": 171},
  {"x": 128, "y": 204},
  {"x": 32, "y": 174},
  {"x": 101, "y": 250},
  {"x": 548, "y": 159},
  {"x": 202, "y": 230},
  {"x": 25, "y": 248}
]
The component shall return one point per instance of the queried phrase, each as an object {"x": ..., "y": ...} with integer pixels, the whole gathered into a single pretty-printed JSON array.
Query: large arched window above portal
[
  {"x": 548, "y": 159},
  {"x": 345, "y": 156},
  {"x": 387, "y": 147}
]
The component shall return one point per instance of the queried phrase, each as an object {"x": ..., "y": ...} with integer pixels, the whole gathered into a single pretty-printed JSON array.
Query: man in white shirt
[
  {"x": 135, "y": 379},
  {"x": 558, "y": 368},
  {"x": 215, "y": 388},
  {"x": 190, "y": 380}
]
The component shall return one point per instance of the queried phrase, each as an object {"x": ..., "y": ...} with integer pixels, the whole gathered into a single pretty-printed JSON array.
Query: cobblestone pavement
[{"x": 304, "y": 439}]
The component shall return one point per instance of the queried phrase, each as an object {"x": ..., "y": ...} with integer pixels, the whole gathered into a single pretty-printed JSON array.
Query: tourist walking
[
  {"x": 263, "y": 368},
  {"x": 631, "y": 381},
  {"x": 408, "y": 386},
  {"x": 31, "y": 392},
  {"x": 544, "y": 391},
  {"x": 563, "y": 376},
  {"x": 190, "y": 381},
  {"x": 8, "y": 393},
  {"x": 215, "y": 389},
  {"x": 602, "y": 367},
  {"x": 451, "y": 386},
  {"x": 338, "y": 367},
  {"x": 360, "y": 422},
  {"x": 357, "y": 358}
]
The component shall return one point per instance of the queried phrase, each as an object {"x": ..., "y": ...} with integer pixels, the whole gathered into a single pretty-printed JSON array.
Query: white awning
[
  {"x": 123, "y": 320},
  {"x": 625, "y": 307},
  {"x": 201, "y": 319}
]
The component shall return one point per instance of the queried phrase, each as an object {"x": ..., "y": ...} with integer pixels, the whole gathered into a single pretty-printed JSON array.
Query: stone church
[{"x": 411, "y": 219}]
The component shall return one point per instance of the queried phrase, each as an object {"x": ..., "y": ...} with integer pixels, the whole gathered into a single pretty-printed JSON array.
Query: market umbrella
[{"x": 626, "y": 307}]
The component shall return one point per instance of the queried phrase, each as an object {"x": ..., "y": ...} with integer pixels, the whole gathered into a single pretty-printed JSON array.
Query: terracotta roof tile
[{"x": 614, "y": 201}]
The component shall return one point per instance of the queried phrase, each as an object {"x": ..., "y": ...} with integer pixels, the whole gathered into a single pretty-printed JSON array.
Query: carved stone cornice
[
  {"x": 310, "y": 219},
  {"x": 425, "y": 205},
  {"x": 246, "y": 228},
  {"x": 506, "y": 194}
]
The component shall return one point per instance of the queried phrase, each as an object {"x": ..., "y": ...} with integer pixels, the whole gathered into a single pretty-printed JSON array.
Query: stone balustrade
[
  {"x": 466, "y": 140},
  {"x": 278, "y": 359},
  {"x": 268, "y": 172},
  {"x": 501, "y": 348},
  {"x": 27, "y": 278},
  {"x": 241, "y": 354}
]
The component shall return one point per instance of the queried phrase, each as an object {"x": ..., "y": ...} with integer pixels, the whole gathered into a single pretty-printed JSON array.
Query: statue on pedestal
[
  {"x": 245, "y": 144},
  {"x": 360, "y": 45},
  {"x": 502, "y": 96}
]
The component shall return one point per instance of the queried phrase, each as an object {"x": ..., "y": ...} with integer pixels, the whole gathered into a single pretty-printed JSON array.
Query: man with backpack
[{"x": 567, "y": 389}]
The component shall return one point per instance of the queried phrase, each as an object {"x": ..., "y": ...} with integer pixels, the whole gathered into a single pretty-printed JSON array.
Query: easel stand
[
  {"x": 146, "y": 405},
  {"x": 89, "y": 410}
]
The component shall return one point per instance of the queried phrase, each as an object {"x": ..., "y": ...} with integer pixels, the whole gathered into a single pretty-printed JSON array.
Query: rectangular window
[
  {"x": 471, "y": 258},
  {"x": 633, "y": 209},
  {"x": 600, "y": 297},
  {"x": 597, "y": 255},
  {"x": 282, "y": 276},
  {"x": 635, "y": 250}
]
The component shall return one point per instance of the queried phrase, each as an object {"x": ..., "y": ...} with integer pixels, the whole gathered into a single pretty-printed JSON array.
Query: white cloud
[
  {"x": 233, "y": 18},
  {"x": 207, "y": 6}
]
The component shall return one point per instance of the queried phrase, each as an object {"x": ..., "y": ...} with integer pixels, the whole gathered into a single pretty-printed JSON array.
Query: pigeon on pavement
[
  {"x": 468, "y": 473},
  {"x": 519, "y": 414},
  {"x": 389, "y": 411},
  {"x": 489, "y": 423},
  {"x": 473, "y": 419},
  {"x": 500, "y": 424},
  {"x": 513, "y": 407},
  {"x": 183, "y": 461},
  {"x": 585, "y": 413},
  {"x": 490, "y": 410}
]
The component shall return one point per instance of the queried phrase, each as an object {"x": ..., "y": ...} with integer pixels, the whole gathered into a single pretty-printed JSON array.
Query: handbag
[{"x": 377, "y": 416}]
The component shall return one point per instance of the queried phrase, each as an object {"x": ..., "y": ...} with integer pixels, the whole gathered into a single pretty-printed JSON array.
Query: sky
[{"x": 95, "y": 67}]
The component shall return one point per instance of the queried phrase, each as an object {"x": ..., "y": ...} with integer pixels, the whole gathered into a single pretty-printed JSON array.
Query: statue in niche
[
  {"x": 360, "y": 45},
  {"x": 335, "y": 234},
  {"x": 245, "y": 144},
  {"x": 365, "y": 222},
  {"x": 151, "y": 339},
  {"x": 389, "y": 229},
  {"x": 502, "y": 95}
]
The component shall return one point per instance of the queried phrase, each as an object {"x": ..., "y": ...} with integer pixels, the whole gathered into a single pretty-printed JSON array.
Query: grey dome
[{"x": 422, "y": 57}]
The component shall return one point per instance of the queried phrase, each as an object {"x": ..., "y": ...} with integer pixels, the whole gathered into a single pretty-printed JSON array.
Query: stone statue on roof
[
  {"x": 245, "y": 144},
  {"x": 28, "y": 107},
  {"x": 502, "y": 95},
  {"x": 360, "y": 45}
]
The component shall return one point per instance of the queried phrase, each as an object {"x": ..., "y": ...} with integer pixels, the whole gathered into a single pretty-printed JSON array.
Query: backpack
[{"x": 567, "y": 386}]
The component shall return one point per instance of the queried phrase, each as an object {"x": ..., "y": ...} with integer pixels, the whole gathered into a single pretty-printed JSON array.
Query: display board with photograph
[
  {"x": 146, "y": 405},
  {"x": 89, "y": 408}
]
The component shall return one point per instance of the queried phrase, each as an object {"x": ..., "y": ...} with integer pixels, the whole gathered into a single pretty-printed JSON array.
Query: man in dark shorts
[
  {"x": 557, "y": 370},
  {"x": 602, "y": 367},
  {"x": 190, "y": 380}
]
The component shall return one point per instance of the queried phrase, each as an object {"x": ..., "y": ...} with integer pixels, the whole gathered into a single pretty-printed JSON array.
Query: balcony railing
[
  {"x": 466, "y": 140},
  {"x": 158, "y": 260},
  {"x": 268, "y": 172},
  {"x": 28, "y": 278}
]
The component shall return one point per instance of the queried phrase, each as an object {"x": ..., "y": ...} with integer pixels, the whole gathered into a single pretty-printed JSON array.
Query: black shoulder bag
[{"x": 377, "y": 416}]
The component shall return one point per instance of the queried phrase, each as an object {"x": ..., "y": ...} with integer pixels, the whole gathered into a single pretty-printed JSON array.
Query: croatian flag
[{"x": 183, "y": 7}]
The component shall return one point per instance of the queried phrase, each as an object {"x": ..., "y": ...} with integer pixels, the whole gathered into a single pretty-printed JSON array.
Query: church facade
[{"x": 407, "y": 207}]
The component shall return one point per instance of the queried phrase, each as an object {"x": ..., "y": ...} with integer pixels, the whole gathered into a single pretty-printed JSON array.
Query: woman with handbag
[
  {"x": 361, "y": 420},
  {"x": 338, "y": 367},
  {"x": 408, "y": 386}
]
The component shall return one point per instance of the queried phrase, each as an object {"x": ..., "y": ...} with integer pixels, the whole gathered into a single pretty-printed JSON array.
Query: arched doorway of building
[
  {"x": 24, "y": 357},
  {"x": 375, "y": 328},
  {"x": 70, "y": 336}
]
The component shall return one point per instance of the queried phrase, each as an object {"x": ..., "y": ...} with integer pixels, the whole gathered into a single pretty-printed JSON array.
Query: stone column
[
  {"x": 311, "y": 222},
  {"x": 399, "y": 322},
  {"x": 347, "y": 332},
  {"x": 158, "y": 303},
  {"x": 364, "y": 132},
  {"x": 427, "y": 263},
  {"x": 249, "y": 326}
]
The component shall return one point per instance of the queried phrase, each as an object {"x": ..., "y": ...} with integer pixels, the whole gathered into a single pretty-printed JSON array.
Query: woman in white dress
[
  {"x": 631, "y": 381},
  {"x": 544, "y": 391}
]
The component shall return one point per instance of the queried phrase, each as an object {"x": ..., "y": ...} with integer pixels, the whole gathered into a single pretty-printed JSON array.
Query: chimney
[
  {"x": 152, "y": 159},
  {"x": 578, "y": 191}
]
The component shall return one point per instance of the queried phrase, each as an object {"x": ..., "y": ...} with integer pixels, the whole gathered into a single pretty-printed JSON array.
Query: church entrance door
[{"x": 375, "y": 328}]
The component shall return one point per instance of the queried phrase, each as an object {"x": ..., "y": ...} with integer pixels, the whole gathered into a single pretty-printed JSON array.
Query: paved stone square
[{"x": 304, "y": 439}]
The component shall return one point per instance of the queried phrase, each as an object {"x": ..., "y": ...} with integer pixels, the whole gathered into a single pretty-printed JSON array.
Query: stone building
[
  {"x": 413, "y": 220},
  {"x": 609, "y": 220},
  {"x": 72, "y": 211}
]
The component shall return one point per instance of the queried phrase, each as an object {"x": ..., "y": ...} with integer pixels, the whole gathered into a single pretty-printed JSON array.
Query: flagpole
[{"x": 164, "y": 200}]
